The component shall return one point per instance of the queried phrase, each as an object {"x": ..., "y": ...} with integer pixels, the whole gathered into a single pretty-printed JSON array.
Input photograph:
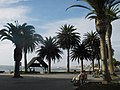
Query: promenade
[
  {"x": 39, "y": 82},
  {"x": 36, "y": 82}
]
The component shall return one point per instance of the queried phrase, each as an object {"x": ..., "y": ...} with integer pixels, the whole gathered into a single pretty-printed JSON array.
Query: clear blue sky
[{"x": 47, "y": 16}]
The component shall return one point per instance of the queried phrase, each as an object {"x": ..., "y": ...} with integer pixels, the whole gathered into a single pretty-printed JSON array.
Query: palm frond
[
  {"x": 82, "y": 6},
  {"x": 114, "y": 3}
]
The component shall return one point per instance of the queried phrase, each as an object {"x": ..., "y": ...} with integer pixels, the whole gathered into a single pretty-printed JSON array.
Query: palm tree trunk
[
  {"x": 17, "y": 67},
  {"x": 68, "y": 62},
  {"x": 25, "y": 58},
  {"x": 110, "y": 62},
  {"x": 99, "y": 64},
  {"x": 108, "y": 39},
  {"x": 17, "y": 73},
  {"x": 92, "y": 58},
  {"x": 17, "y": 59},
  {"x": 49, "y": 66},
  {"x": 101, "y": 29},
  {"x": 93, "y": 65},
  {"x": 82, "y": 68},
  {"x": 106, "y": 75}
]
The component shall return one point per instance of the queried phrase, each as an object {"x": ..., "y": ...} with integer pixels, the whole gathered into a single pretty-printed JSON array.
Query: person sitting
[
  {"x": 75, "y": 79},
  {"x": 83, "y": 77},
  {"x": 80, "y": 78}
]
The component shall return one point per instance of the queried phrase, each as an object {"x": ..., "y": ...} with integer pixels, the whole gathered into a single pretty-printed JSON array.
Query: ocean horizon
[{"x": 10, "y": 68}]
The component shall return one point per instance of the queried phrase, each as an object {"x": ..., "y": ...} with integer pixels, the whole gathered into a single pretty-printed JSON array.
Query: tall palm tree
[
  {"x": 111, "y": 11},
  {"x": 14, "y": 33},
  {"x": 31, "y": 40},
  {"x": 99, "y": 7},
  {"x": 49, "y": 50},
  {"x": 112, "y": 15},
  {"x": 67, "y": 39},
  {"x": 92, "y": 41},
  {"x": 80, "y": 52}
]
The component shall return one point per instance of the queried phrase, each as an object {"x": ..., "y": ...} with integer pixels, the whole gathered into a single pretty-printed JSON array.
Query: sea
[{"x": 8, "y": 68}]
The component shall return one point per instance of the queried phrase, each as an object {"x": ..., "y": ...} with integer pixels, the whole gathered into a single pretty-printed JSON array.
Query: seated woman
[
  {"x": 80, "y": 78},
  {"x": 83, "y": 77}
]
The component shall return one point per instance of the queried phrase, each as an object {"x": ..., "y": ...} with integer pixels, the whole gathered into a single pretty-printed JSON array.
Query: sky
[{"x": 47, "y": 16}]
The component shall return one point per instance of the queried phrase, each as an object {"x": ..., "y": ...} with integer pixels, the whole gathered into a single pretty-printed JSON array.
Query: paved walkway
[
  {"x": 40, "y": 82},
  {"x": 37, "y": 82}
]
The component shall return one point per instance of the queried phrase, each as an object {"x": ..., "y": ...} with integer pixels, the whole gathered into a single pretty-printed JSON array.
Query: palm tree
[
  {"x": 112, "y": 15},
  {"x": 80, "y": 52},
  {"x": 111, "y": 12},
  {"x": 67, "y": 39},
  {"x": 92, "y": 41},
  {"x": 14, "y": 33},
  {"x": 49, "y": 50},
  {"x": 31, "y": 40},
  {"x": 98, "y": 7}
]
